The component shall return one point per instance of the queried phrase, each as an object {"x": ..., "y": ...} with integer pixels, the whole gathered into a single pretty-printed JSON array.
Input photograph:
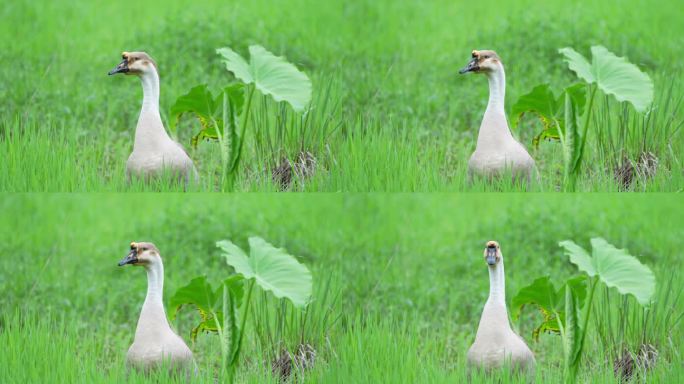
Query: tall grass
[
  {"x": 406, "y": 293},
  {"x": 390, "y": 112}
]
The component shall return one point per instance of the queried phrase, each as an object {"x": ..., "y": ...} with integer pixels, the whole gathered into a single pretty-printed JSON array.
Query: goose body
[
  {"x": 497, "y": 151},
  {"x": 154, "y": 152},
  {"x": 155, "y": 343},
  {"x": 496, "y": 343}
]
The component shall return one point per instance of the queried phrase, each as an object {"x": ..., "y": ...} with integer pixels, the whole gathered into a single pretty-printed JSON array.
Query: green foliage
[
  {"x": 272, "y": 268},
  {"x": 209, "y": 110},
  {"x": 221, "y": 309},
  {"x": 614, "y": 267},
  {"x": 271, "y": 75},
  {"x": 560, "y": 116},
  {"x": 613, "y": 75},
  {"x": 208, "y": 301},
  {"x": 549, "y": 108},
  {"x": 567, "y": 306},
  {"x": 549, "y": 301},
  {"x": 224, "y": 117}
]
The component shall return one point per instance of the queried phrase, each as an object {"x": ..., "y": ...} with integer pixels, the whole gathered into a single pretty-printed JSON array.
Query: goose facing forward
[
  {"x": 497, "y": 151},
  {"x": 495, "y": 341},
  {"x": 154, "y": 151},
  {"x": 155, "y": 343}
]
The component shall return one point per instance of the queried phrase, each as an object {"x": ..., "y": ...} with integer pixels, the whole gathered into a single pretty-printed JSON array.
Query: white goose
[
  {"x": 497, "y": 151},
  {"x": 154, "y": 151},
  {"x": 155, "y": 343},
  {"x": 495, "y": 342}
]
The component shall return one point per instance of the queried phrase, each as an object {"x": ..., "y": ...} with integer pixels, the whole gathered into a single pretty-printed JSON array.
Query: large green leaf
[
  {"x": 539, "y": 100},
  {"x": 272, "y": 75},
  {"x": 613, "y": 75},
  {"x": 578, "y": 64},
  {"x": 550, "y": 302},
  {"x": 614, "y": 267},
  {"x": 208, "y": 301},
  {"x": 272, "y": 268},
  {"x": 236, "y": 64},
  {"x": 579, "y": 257},
  {"x": 618, "y": 77},
  {"x": 618, "y": 269},
  {"x": 209, "y": 110}
]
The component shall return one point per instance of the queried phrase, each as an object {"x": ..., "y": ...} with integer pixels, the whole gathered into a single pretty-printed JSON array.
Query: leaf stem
[
  {"x": 236, "y": 161},
  {"x": 585, "y": 128},
  {"x": 245, "y": 312}
]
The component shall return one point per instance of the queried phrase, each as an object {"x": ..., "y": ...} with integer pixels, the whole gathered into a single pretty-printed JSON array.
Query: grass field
[
  {"x": 389, "y": 113},
  {"x": 399, "y": 280}
]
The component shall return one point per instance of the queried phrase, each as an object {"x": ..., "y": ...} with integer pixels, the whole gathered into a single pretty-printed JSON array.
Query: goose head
[
  {"x": 492, "y": 253},
  {"x": 135, "y": 63},
  {"x": 483, "y": 62},
  {"x": 141, "y": 254}
]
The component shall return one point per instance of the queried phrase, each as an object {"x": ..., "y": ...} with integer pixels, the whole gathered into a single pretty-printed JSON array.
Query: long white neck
[
  {"x": 494, "y": 128},
  {"x": 497, "y": 284},
  {"x": 153, "y": 316},
  {"x": 150, "y": 131}
]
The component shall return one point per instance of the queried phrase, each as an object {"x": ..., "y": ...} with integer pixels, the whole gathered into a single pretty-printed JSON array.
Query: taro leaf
[
  {"x": 272, "y": 268},
  {"x": 613, "y": 75},
  {"x": 550, "y": 110},
  {"x": 579, "y": 257},
  {"x": 541, "y": 101},
  {"x": 548, "y": 300},
  {"x": 614, "y": 267},
  {"x": 618, "y": 77},
  {"x": 200, "y": 102},
  {"x": 200, "y": 294},
  {"x": 209, "y": 109},
  {"x": 618, "y": 269},
  {"x": 578, "y": 64},
  {"x": 236, "y": 64},
  {"x": 272, "y": 75}
]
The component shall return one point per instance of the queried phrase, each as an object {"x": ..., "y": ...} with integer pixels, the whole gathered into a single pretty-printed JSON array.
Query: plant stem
[
  {"x": 236, "y": 161},
  {"x": 574, "y": 367},
  {"x": 245, "y": 311},
  {"x": 585, "y": 128}
]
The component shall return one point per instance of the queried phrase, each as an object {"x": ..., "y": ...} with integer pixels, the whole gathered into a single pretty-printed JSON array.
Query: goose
[
  {"x": 495, "y": 341},
  {"x": 155, "y": 343},
  {"x": 497, "y": 151},
  {"x": 154, "y": 151}
]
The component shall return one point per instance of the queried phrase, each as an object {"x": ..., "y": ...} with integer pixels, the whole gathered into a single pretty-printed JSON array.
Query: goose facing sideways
[
  {"x": 495, "y": 341},
  {"x": 154, "y": 151},
  {"x": 497, "y": 151},
  {"x": 155, "y": 343}
]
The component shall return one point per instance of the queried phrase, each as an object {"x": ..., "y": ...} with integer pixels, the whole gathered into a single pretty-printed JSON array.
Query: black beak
[
  {"x": 491, "y": 255},
  {"x": 471, "y": 67},
  {"x": 131, "y": 258},
  {"x": 121, "y": 68}
]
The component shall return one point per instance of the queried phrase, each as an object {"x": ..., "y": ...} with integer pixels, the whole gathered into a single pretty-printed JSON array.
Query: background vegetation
[
  {"x": 390, "y": 112},
  {"x": 399, "y": 280}
]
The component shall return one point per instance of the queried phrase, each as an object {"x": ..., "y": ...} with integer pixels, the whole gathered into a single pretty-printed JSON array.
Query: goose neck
[
  {"x": 497, "y": 90},
  {"x": 155, "y": 284},
  {"x": 150, "y": 85},
  {"x": 150, "y": 132},
  {"x": 497, "y": 284}
]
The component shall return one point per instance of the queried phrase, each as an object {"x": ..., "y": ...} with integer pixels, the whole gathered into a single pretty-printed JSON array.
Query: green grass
[
  {"x": 390, "y": 112},
  {"x": 399, "y": 280}
]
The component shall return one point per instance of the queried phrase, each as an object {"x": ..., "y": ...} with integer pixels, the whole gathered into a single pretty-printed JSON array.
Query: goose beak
[
  {"x": 471, "y": 67},
  {"x": 121, "y": 68},
  {"x": 131, "y": 258},
  {"x": 491, "y": 256}
]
